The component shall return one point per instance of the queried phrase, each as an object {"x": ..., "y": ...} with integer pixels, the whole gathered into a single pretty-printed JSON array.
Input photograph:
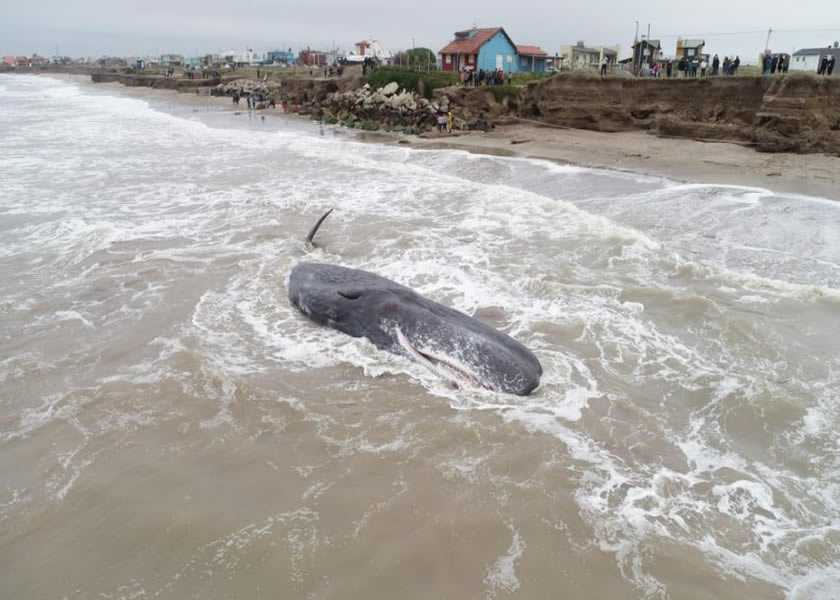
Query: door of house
[{"x": 499, "y": 63}]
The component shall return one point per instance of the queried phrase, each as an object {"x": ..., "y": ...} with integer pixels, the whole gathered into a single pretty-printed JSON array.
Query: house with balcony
[
  {"x": 580, "y": 56},
  {"x": 645, "y": 52},
  {"x": 490, "y": 49},
  {"x": 372, "y": 49},
  {"x": 690, "y": 49}
]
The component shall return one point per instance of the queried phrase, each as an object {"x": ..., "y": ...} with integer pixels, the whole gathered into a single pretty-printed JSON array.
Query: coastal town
[
  {"x": 471, "y": 51},
  {"x": 485, "y": 80}
]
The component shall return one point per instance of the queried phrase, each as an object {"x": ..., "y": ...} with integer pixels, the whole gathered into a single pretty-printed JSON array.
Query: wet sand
[
  {"x": 675, "y": 158},
  {"x": 680, "y": 159}
]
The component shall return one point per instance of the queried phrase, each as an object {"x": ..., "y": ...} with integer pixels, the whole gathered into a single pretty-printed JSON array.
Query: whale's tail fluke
[{"x": 314, "y": 229}]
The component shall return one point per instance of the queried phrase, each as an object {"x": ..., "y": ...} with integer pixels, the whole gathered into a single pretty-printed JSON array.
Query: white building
[
  {"x": 241, "y": 57},
  {"x": 370, "y": 49},
  {"x": 808, "y": 59}
]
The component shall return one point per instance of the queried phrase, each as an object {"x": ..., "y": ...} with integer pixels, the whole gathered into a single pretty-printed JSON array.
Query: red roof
[
  {"x": 530, "y": 51},
  {"x": 471, "y": 46}
]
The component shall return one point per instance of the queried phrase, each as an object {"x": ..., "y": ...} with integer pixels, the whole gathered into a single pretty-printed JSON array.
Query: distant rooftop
[
  {"x": 469, "y": 41},
  {"x": 530, "y": 50},
  {"x": 818, "y": 52},
  {"x": 654, "y": 43}
]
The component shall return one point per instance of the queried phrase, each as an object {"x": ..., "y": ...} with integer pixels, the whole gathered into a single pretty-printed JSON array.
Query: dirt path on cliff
[{"x": 682, "y": 159}]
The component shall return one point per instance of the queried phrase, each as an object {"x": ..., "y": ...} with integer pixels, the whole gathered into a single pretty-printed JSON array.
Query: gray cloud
[{"x": 97, "y": 27}]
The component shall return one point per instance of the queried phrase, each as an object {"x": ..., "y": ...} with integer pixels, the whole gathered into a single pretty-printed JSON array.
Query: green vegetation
[
  {"x": 422, "y": 82},
  {"x": 349, "y": 122},
  {"x": 417, "y": 58},
  {"x": 369, "y": 126}
]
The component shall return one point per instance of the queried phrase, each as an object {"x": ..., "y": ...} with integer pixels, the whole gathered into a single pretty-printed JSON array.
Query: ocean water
[{"x": 170, "y": 427}]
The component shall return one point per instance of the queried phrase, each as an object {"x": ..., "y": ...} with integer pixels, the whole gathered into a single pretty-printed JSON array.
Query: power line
[{"x": 755, "y": 32}]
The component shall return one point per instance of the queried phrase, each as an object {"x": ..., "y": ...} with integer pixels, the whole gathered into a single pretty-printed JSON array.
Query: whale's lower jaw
[{"x": 447, "y": 367}]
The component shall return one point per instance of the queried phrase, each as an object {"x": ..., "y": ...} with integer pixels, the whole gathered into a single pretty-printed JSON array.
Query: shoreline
[
  {"x": 684, "y": 160},
  {"x": 679, "y": 159}
]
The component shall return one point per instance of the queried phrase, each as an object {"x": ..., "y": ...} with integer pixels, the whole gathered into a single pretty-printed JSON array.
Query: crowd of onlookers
[
  {"x": 471, "y": 78},
  {"x": 769, "y": 64},
  {"x": 691, "y": 67},
  {"x": 826, "y": 64}
]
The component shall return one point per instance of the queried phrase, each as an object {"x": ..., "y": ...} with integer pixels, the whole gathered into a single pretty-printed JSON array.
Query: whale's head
[{"x": 397, "y": 319}]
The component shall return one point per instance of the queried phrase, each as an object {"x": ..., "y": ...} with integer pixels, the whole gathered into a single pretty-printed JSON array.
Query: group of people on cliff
[
  {"x": 826, "y": 64},
  {"x": 774, "y": 63},
  {"x": 471, "y": 78},
  {"x": 691, "y": 67}
]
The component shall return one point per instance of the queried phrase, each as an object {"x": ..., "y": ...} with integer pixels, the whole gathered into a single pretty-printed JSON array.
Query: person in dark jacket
[{"x": 823, "y": 65}]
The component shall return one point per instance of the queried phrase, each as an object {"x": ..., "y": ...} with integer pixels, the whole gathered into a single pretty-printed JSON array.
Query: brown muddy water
[{"x": 170, "y": 427}]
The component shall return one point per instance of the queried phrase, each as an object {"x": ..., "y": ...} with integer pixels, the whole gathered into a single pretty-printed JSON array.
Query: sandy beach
[
  {"x": 681, "y": 159},
  {"x": 675, "y": 158}
]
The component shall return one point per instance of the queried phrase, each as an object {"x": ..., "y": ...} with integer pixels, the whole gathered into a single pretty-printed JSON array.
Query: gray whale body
[{"x": 399, "y": 320}]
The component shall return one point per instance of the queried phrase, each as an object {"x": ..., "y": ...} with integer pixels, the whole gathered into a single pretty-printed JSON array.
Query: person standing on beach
[
  {"x": 603, "y": 66},
  {"x": 449, "y": 122}
]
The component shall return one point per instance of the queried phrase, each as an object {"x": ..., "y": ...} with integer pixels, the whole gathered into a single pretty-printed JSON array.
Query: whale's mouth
[{"x": 444, "y": 366}]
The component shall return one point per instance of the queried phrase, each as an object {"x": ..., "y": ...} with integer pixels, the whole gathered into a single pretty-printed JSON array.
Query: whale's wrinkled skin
[{"x": 399, "y": 320}]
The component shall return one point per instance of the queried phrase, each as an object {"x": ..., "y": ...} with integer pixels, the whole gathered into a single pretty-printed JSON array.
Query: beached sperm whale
[{"x": 399, "y": 320}]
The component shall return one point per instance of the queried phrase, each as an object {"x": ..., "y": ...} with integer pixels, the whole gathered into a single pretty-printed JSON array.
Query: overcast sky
[{"x": 191, "y": 27}]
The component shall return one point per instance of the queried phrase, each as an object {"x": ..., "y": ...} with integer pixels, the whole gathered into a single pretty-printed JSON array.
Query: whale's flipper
[{"x": 317, "y": 225}]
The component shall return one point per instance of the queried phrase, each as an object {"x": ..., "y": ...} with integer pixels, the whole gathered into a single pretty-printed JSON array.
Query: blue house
[{"x": 490, "y": 49}]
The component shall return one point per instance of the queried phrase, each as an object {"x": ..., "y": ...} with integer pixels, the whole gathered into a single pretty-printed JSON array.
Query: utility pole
[
  {"x": 635, "y": 47},
  {"x": 767, "y": 43}
]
